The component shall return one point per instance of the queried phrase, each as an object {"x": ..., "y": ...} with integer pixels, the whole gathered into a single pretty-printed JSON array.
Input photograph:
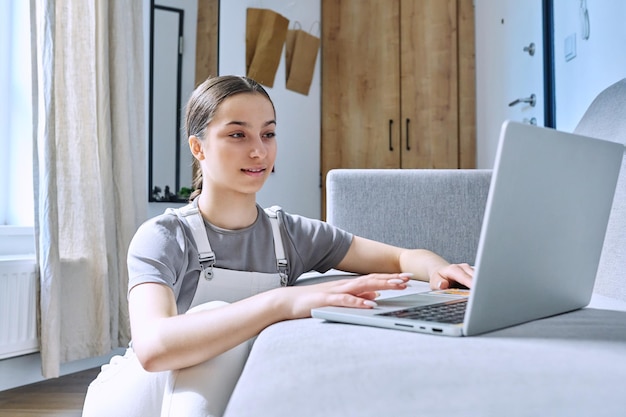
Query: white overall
[
  {"x": 227, "y": 285},
  {"x": 125, "y": 388}
]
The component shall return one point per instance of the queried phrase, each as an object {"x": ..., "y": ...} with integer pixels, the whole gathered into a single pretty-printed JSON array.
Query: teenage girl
[{"x": 204, "y": 280}]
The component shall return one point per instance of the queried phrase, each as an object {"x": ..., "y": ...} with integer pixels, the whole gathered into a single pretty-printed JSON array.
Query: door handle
[
  {"x": 530, "y": 49},
  {"x": 531, "y": 121},
  {"x": 390, "y": 134},
  {"x": 408, "y": 145},
  {"x": 532, "y": 100}
]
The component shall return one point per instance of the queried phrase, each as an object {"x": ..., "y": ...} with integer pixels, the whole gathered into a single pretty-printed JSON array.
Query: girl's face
[{"x": 239, "y": 150}]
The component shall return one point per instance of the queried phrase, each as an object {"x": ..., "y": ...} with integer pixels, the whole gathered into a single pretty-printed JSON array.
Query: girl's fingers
[
  {"x": 465, "y": 275},
  {"x": 348, "y": 300},
  {"x": 468, "y": 269},
  {"x": 361, "y": 292},
  {"x": 460, "y": 273},
  {"x": 375, "y": 282},
  {"x": 440, "y": 283},
  {"x": 370, "y": 295}
]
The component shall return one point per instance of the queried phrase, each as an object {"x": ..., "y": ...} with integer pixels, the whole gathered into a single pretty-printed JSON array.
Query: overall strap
[
  {"x": 191, "y": 215},
  {"x": 281, "y": 259}
]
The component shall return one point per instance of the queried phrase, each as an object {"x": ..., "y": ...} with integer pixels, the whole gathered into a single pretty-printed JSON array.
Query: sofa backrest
[
  {"x": 606, "y": 119},
  {"x": 439, "y": 210}
]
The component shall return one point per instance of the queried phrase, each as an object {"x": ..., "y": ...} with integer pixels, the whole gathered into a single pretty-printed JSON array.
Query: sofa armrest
[{"x": 439, "y": 210}]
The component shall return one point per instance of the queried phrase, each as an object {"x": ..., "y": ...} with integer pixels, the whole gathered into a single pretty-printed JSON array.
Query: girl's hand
[
  {"x": 448, "y": 276},
  {"x": 352, "y": 292}
]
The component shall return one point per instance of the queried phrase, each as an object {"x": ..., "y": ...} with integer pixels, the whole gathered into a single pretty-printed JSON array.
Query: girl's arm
[
  {"x": 164, "y": 340},
  {"x": 365, "y": 256}
]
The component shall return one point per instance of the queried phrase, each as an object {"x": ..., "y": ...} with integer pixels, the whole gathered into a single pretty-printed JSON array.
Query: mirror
[{"x": 172, "y": 77}]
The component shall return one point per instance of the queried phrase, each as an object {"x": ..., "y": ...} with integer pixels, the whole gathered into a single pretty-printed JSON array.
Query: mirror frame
[
  {"x": 206, "y": 65},
  {"x": 154, "y": 191}
]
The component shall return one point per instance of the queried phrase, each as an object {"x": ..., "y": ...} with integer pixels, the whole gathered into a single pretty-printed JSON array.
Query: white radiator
[{"x": 18, "y": 307}]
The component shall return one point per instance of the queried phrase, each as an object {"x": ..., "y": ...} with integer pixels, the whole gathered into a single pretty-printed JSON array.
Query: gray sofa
[{"x": 569, "y": 365}]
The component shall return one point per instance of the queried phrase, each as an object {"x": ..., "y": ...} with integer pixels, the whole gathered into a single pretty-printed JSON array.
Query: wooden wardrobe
[{"x": 398, "y": 84}]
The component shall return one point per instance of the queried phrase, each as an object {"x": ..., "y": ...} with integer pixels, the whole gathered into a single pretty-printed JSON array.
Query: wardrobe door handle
[
  {"x": 408, "y": 146},
  {"x": 390, "y": 131}
]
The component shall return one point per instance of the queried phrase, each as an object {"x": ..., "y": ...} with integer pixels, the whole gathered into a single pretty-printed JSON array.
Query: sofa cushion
[{"x": 568, "y": 365}]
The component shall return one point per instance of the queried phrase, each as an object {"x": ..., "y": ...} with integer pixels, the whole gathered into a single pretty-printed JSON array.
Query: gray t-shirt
[{"x": 163, "y": 250}]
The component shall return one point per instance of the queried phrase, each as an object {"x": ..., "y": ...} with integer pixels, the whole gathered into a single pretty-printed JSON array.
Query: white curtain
[{"x": 89, "y": 170}]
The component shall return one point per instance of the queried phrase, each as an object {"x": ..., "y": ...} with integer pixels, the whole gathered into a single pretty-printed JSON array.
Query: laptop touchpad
[{"x": 412, "y": 300}]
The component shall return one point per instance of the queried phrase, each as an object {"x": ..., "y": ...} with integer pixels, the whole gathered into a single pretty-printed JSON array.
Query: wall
[
  {"x": 599, "y": 62},
  {"x": 296, "y": 183}
]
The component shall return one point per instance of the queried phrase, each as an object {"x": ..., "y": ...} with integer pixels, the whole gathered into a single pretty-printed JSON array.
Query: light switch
[{"x": 570, "y": 47}]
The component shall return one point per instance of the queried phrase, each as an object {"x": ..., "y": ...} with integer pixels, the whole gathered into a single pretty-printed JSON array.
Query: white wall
[
  {"x": 296, "y": 183},
  {"x": 599, "y": 62}
]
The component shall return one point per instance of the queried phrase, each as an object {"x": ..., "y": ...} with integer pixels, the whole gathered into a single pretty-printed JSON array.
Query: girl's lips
[{"x": 253, "y": 171}]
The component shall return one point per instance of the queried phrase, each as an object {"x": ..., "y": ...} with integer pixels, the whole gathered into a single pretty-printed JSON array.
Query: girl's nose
[{"x": 259, "y": 149}]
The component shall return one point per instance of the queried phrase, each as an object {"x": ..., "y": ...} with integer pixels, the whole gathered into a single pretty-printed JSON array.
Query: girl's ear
[{"x": 195, "y": 146}]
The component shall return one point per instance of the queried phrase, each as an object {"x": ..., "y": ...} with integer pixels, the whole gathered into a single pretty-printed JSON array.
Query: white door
[{"x": 509, "y": 69}]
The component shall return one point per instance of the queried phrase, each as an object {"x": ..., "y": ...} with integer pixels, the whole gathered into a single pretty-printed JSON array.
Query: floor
[{"x": 59, "y": 397}]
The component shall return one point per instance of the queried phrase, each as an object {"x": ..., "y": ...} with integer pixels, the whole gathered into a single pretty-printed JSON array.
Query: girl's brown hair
[{"x": 203, "y": 105}]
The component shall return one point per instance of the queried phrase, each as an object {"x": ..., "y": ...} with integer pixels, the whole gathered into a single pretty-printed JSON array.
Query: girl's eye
[{"x": 241, "y": 135}]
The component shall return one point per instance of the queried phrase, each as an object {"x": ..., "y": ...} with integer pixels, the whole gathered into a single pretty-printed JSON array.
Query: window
[
  {"x": 16, "y": 133},
  {"x": 16, "y": 136}
]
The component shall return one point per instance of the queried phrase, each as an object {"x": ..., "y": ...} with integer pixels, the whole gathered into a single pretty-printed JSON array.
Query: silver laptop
[{"x": 547, "y": 211}]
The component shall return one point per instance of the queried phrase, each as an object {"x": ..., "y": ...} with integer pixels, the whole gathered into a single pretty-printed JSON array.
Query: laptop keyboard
[{"x": 448, "y": 312}]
